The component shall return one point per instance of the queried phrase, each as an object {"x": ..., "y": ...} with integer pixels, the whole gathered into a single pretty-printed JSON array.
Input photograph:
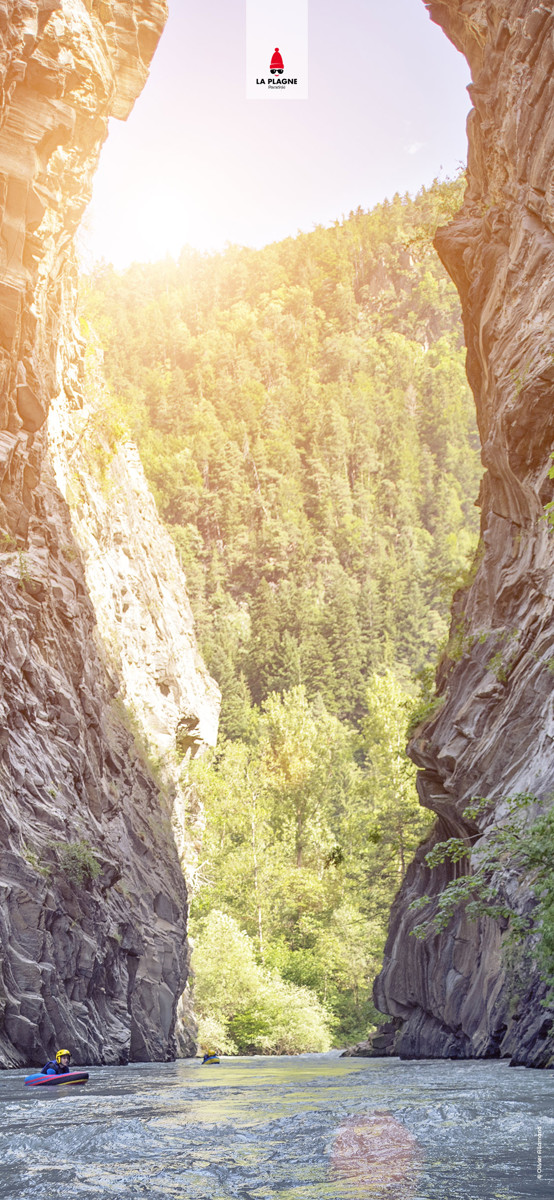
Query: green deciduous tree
[
  {"x": 304, "y": 845},
  {"x": 394, "y": 801},
  {"x": 243, "y": 1007}
]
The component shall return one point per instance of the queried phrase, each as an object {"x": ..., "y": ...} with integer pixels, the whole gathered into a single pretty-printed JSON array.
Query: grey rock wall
[
  {"x": 144, "y": 623},
  {"x": 93, "y": 958},
  {"x": 494, "y": 735}
]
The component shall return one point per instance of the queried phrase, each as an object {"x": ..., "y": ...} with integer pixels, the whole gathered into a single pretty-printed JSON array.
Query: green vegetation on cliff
[
  {"x": 516, "y": 847},
  {"x": 304, "y": 419}
]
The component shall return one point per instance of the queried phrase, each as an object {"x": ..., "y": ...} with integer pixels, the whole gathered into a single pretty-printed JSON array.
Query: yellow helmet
[{"x": 60, "y": 1053}]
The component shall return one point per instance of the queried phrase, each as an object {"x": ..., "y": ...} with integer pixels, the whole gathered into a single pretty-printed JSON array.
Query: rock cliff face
[
  {"x": 494, "y": 734},
  {"x": 92, "y": 897},
  {"x": 145, "y": 628}
]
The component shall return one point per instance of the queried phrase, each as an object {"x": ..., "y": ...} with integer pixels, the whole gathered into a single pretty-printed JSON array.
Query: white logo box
[{"x": 281, "y": 24}]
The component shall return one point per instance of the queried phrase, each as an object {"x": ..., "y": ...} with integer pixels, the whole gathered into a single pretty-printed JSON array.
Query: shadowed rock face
[
  {"x": 94, "y": 963},
  {"x": 494, "y": 735}
]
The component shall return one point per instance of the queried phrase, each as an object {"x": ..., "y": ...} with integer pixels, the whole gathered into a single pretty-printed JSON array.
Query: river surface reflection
[{"x": 315, "y": 1127}]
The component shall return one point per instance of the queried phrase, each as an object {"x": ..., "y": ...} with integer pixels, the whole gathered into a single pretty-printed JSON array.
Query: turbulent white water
[{"x": 315, "y": 1127}]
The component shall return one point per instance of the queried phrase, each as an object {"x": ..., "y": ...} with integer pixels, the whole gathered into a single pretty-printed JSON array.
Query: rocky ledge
[
  {"x": 92, "y": 897},
  {"x": 493, "y": 733}
]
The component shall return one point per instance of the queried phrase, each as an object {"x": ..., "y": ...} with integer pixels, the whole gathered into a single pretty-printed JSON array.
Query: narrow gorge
[
  {"x": 493, "y": 733},
  {"x": 103, "y": 693},
  {"x": 93, "y": 901}
]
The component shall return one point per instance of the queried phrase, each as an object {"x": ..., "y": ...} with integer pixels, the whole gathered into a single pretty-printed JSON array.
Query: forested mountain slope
[{"x": 304, "y": 419}]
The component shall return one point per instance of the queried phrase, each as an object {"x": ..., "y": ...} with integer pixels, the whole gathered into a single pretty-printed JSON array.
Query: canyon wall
[
  {"x": 493, "y": 734},
  {"x": 92, "y": 896}
]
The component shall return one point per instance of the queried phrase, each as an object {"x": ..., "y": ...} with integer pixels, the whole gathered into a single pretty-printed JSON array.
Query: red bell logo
[{"x": 276, "y": 67}]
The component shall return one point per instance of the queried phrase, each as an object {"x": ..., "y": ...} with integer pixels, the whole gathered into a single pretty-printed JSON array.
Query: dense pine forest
[{"x": 303, "y": 416}]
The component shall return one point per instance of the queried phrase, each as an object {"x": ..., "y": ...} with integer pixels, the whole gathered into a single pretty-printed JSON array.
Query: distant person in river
[{"x": 58, "y": 1065}]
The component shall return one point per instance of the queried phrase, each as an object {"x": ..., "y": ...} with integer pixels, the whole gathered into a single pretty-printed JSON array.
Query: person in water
[{"x": 59, "y": 1065}]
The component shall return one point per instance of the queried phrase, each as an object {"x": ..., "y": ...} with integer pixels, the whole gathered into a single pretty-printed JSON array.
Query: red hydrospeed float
[{"x": 55, "y": 1080}]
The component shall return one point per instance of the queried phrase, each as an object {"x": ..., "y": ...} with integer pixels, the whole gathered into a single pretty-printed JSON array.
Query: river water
[{"x": 314, "y": 1127}]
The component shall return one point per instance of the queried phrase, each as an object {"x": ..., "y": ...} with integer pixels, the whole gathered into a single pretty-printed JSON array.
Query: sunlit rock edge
[{"x": 97, "y": 964}]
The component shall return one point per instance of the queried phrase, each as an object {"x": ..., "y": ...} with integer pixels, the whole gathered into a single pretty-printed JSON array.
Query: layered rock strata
[
  {"x": 494, "y": 734},
  {"x": 92, "y": 897},
  {"x": 145, "y": 628}
]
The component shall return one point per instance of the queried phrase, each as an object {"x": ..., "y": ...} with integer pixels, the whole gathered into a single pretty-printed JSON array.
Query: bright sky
[{"x": 198, "y": 164}]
